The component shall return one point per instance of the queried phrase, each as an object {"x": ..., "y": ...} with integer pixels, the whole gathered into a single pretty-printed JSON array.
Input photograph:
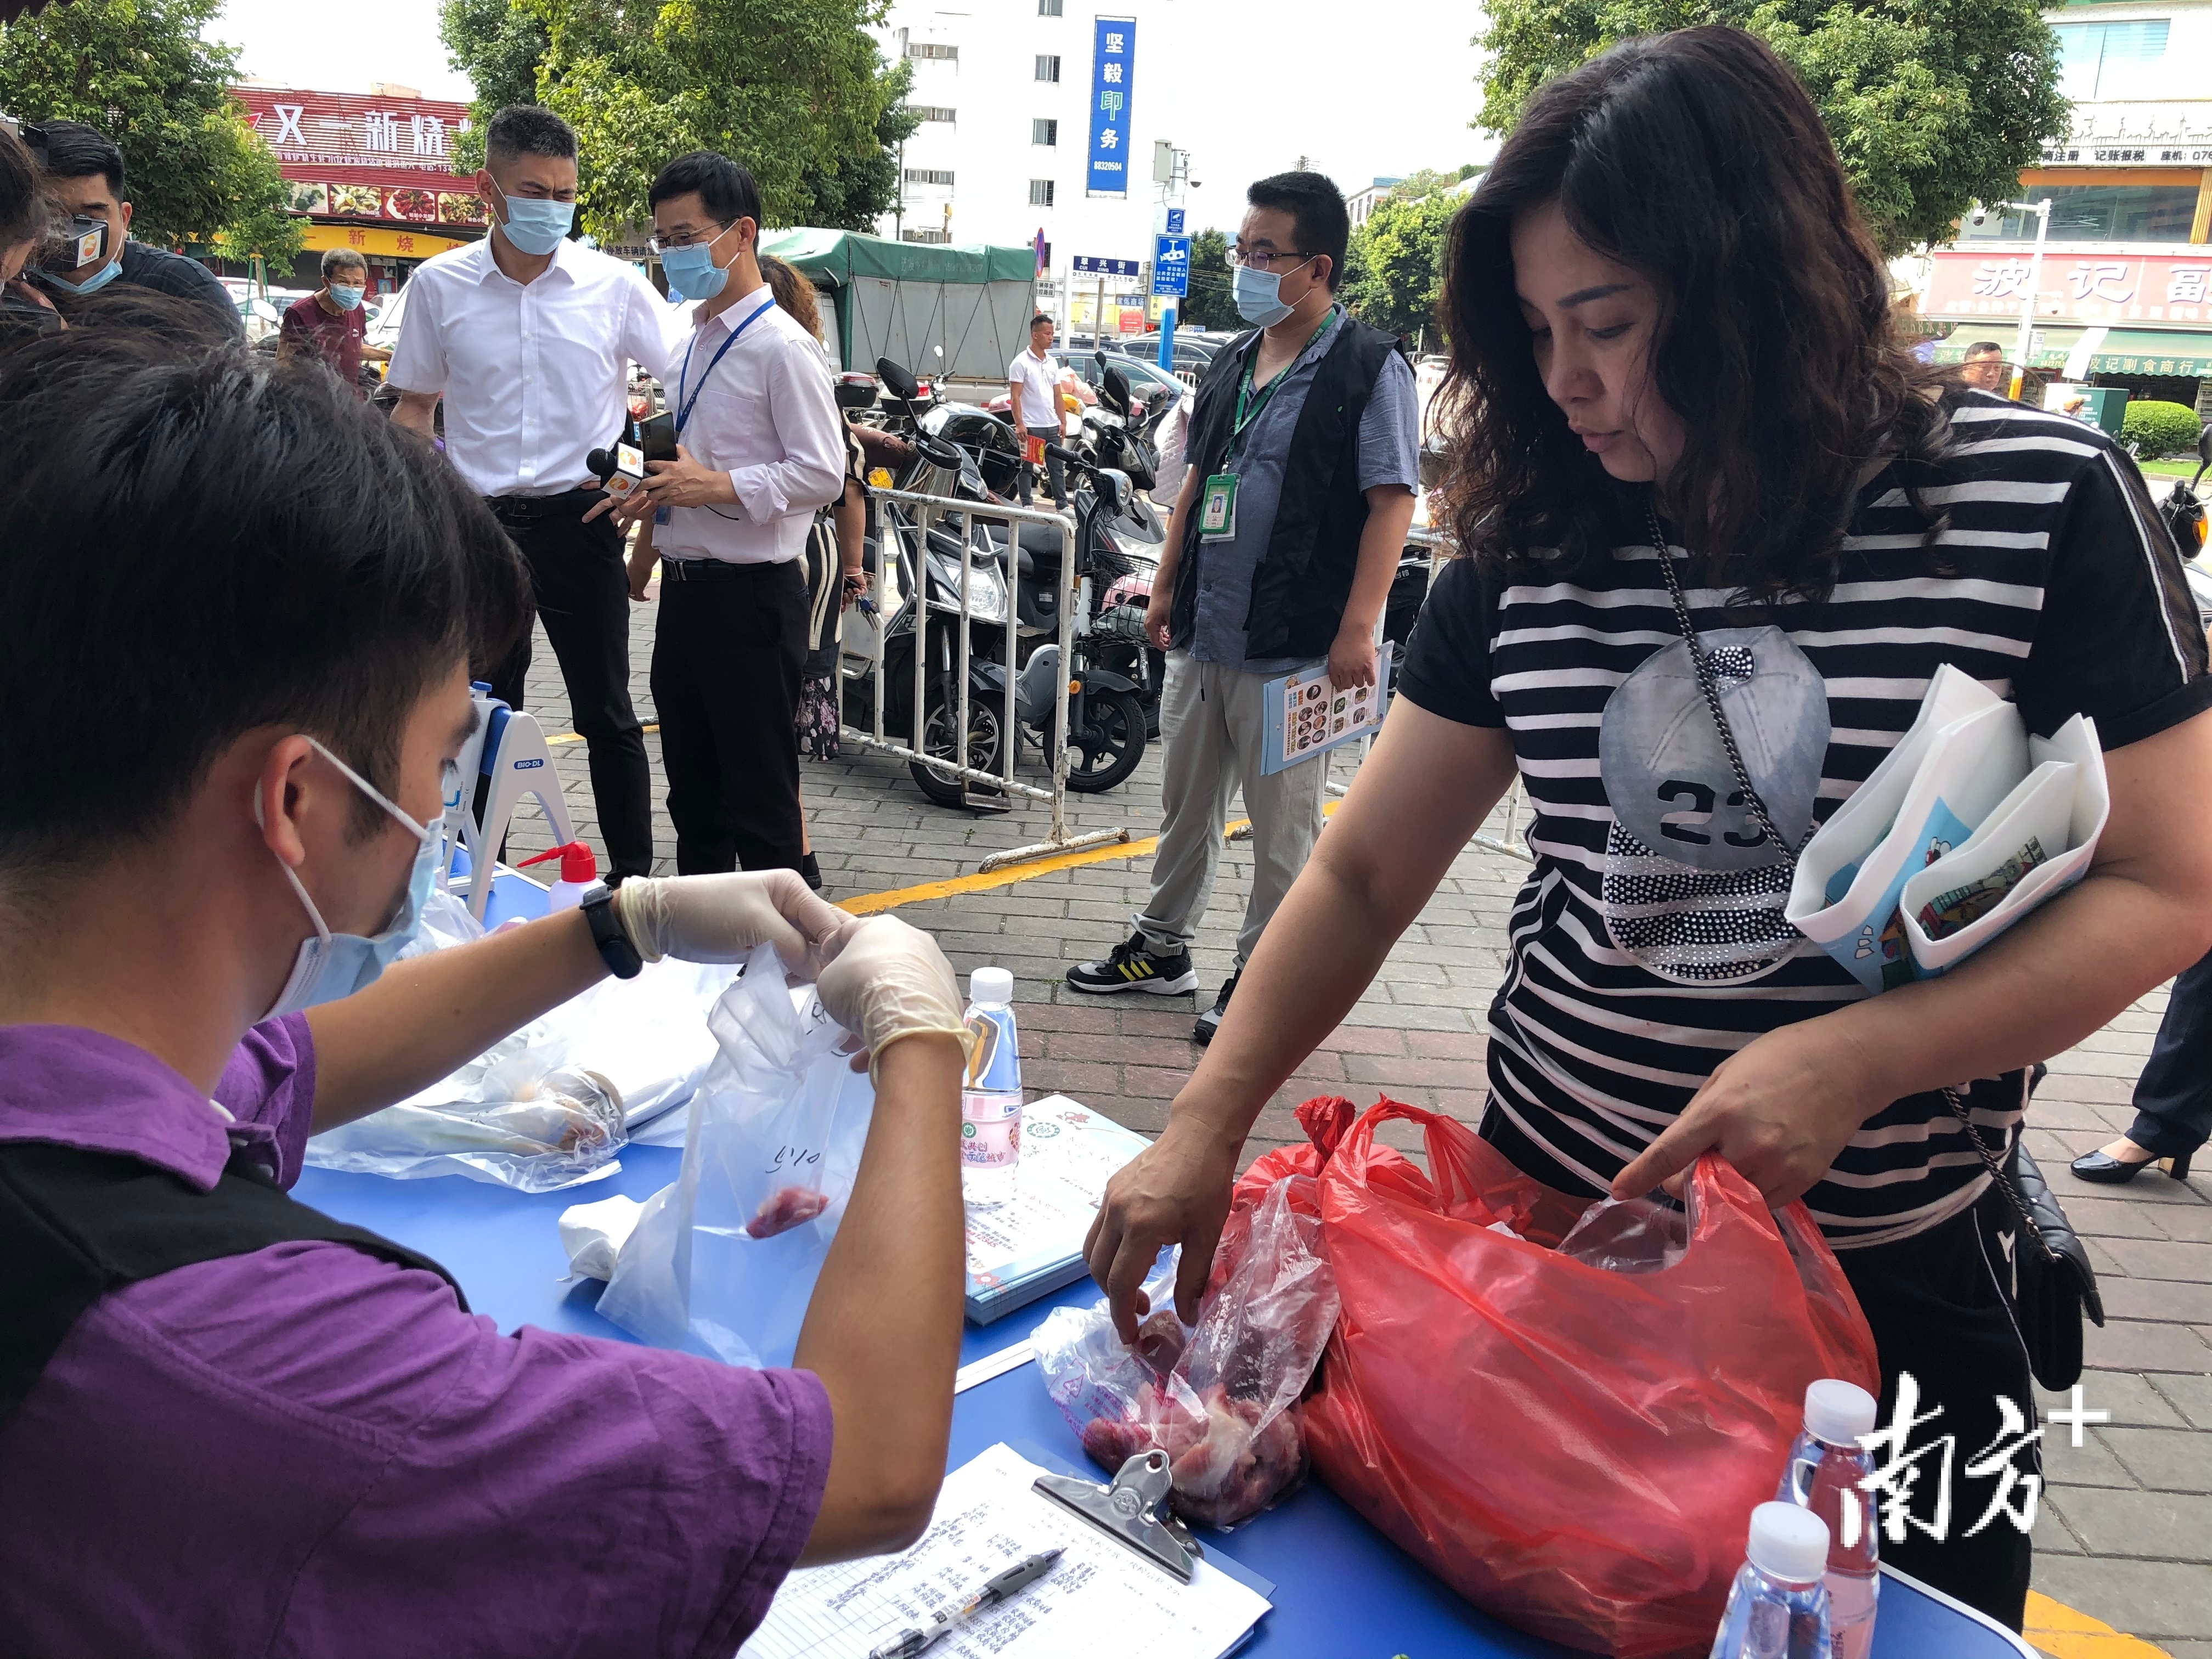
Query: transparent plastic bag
[
  {"x": 550, "y": 1105},
  {"x": 1221, "y": 1397},
  {"x": 723, "y": 1261}
]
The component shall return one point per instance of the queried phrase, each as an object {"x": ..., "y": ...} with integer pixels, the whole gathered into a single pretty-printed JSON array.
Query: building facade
[
  {"x": 2123, "y": 294},
  {"x": 373, "y": 172},
  {"x": 1036, "y": 123}
]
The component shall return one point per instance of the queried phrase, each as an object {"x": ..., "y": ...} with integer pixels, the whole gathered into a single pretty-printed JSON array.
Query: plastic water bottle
[
  {"x": 991, "y": 1094},
  {"x": 1826, "y": 1466},
  {"x": 1778, "y": 1606}
]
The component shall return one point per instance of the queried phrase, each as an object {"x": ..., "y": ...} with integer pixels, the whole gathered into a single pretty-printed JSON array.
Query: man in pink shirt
[{"x": 229, "y": 1423}]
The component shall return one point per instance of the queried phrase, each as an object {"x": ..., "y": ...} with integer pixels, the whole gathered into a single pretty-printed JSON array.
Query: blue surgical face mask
[
  {"x": 692, "y": 271},
  {"x": 1259, "y": 295},
  {"x": 99, "y": 279},
  {"x": 345, "y": 299},
  {"x": 333, "y": 965},
  {"x": 536, "y": 224}
]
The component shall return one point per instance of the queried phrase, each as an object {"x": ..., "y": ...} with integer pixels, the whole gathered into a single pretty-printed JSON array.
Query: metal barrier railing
[
  {"x": 1515, "y": 844},
  {"x": 904, "y": 538}
]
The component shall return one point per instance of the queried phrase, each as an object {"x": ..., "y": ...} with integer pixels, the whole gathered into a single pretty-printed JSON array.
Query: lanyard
[
  {"x": 683, "y": 407},
  {"x": 1244, "y": 386}
]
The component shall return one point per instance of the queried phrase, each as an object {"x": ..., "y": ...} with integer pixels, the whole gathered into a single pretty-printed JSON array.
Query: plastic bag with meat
[{"x": 1219, "y": 1398}]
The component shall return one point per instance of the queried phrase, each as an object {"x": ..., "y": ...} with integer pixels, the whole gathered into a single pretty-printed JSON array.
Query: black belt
[
  {"x": 529, "y": 509},
  {"x": 715, "y": 570}
]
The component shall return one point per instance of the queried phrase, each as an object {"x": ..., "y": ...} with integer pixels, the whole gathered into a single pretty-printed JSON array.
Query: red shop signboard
[
  {"x": 347, "y": 156},
  {"x": 2096, "y": 286}
]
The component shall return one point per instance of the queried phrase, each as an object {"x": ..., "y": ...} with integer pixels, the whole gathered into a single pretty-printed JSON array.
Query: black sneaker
[
  {"x": 1210, "y": 1021},
  {"x": 1133, "y": 967}
]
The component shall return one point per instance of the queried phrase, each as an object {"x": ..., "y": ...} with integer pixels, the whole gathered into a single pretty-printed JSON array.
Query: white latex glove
[
  {"x": 887, "y": 981},
  {"x": 721, "y": 918}
]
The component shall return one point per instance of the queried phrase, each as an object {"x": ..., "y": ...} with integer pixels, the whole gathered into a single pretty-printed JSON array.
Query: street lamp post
[{"x": 2042, "y": 211}]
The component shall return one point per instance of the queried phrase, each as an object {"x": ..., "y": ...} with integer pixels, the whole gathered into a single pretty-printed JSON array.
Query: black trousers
[
  {"x": 725, "y": 664},
  {"x": 1055, "y": 469},
  {"x": 2174, "y": 1096},
  {"x": 583, "y": 599},
  {"x": 1935, "y": 1305}
]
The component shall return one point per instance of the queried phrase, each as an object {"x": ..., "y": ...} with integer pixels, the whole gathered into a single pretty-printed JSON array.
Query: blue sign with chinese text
[
  {"x": 1171, "y": 266},
  {"x": 1112, "y": 62},
  {"x": 1093, "y": 264},
  {"x": 1175, "y": 221}
]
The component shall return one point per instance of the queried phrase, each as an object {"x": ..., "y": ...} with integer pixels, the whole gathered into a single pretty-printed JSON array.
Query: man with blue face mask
[
  {"x": 82, "y": 171},
  {"x": 760, "y": 445},
  {"x": 1303, "y": 455},
  {"x": 229, "y": 737},
  {"x": 528, "y": 336},
  {"x": 329, "y": 325}
]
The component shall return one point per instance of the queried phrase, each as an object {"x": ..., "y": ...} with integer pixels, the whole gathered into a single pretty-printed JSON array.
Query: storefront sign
[
  {"x": 352, "y": 157},
  {"x": 377, "y": 241},
  {"x": 2086, "y": 286},
  {"x": 2135, "y": 134},
  {"x": 1112, "y": 63}
]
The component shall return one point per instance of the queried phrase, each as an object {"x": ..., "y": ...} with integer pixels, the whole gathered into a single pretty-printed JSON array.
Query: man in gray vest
[{"x": 1303, "y": 452}]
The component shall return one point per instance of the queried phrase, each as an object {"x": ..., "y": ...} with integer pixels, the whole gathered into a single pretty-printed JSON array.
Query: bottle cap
[
  {"x": 1789, "y": 1543},
  {"x": 991, "y": 987},
  {"x": 577, "y": 864},
  {"x": 1838, "y": 1411}
]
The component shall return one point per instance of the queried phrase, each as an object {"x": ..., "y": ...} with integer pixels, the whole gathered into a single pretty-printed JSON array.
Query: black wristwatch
[{"x": 615, "y": 949}]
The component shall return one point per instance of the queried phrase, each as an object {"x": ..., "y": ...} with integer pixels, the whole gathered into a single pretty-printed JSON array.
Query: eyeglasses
[
  {"x": 1261, "y": 259},
  {"x": 686, "y": 238}
]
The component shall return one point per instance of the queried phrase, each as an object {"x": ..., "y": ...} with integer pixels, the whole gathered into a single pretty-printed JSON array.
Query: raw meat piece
[
  {"x": 784, "y": 1209},
  {"x": 1160, "y": 1340},
  {"x": 1240, "y": 1465}
]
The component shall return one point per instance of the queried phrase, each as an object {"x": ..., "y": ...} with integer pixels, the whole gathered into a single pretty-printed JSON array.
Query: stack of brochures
[{"x": 1032, "y": 1244}]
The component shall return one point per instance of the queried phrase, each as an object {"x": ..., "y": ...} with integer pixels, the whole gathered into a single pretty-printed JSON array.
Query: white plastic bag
[{"x": 723, "y": 1261}]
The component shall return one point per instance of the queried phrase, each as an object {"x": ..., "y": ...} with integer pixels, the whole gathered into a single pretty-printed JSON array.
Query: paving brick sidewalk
[{"x": 2125, "y": 1532}]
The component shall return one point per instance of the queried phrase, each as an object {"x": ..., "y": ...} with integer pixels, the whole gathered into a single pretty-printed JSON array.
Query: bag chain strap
[{"x": 1703, "y": 666}]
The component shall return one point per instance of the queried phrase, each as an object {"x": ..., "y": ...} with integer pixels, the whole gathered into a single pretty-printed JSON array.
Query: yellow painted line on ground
[
  {"x": 578, "y": 737},
  {"x": 868, "y": 904},
  {"x": 2054, "y": 1628}
]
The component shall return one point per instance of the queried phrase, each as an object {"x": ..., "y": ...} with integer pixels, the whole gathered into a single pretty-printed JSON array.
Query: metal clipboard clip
[{"x": 1133, "y": 1510}]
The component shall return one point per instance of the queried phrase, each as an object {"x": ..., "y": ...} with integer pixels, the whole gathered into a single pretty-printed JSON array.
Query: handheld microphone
[{"x": 620, "y": 471}]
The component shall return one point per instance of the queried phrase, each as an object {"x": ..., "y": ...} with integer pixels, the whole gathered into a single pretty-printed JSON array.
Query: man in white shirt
[
  {"x": 529, "y": 338},
  {"x": 759, "y": 447},
  {"x": 1033, "y": 403}
]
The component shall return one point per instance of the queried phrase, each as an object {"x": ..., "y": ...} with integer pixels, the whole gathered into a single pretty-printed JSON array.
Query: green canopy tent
[{"x": 911, "y": 300}]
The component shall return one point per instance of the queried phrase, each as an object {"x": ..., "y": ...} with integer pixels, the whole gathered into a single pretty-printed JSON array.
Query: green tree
[
  {"x": 796, "y": 89},
  {"x": 138, "y": 70},
  {"x": 1210, "y": 303},
  {"x": 1932, "y": 104},
  {"x": 1390, "y": 278}
]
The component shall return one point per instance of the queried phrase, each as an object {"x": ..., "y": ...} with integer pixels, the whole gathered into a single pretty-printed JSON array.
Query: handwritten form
[{"x": 1101, "y": 1598}]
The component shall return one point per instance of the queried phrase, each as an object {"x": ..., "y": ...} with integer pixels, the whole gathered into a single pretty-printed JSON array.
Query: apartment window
[
  {"x": 1047, "y": 66},
  {"x": 929, "y": 175},
  {"x": 1044, "y": 132},
  {"x": 2111, "y": 60},
  {"x": 931, "y": 49},
  {"x": 929, "y": 113},
  {"x": 1048, "y": 8},
  {"x": 1040, "y": 192},
  {"x": 924, "y": 236}
]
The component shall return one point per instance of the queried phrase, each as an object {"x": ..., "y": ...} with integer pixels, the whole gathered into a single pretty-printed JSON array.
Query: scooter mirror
[{"x": 895, "y": 376}]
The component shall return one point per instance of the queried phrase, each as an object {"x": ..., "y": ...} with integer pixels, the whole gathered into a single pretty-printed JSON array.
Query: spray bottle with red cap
[{"x": 579, "y": 873}]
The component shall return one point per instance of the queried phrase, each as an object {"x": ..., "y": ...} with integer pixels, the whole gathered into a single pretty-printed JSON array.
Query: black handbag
[{"x": 2053, "y": 1284}]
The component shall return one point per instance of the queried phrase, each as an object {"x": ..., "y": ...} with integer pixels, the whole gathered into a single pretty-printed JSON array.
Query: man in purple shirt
[{"x": 227, "y": 1424}]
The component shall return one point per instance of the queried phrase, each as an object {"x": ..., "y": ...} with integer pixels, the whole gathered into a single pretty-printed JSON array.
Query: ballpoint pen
[{"x": 1011, "y": 1581}]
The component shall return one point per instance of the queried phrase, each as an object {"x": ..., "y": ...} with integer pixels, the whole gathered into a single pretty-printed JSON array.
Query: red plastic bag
[
  {"x": 1575, "y": 1450},
  {"x": 1221, "y": 1397}
]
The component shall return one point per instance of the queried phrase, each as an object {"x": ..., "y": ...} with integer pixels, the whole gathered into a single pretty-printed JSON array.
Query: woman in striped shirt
[{"x": 1672, "y": 340}]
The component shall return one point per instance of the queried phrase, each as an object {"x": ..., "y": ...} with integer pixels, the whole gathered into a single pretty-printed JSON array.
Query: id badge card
[{"x": 1217, "y": 508}]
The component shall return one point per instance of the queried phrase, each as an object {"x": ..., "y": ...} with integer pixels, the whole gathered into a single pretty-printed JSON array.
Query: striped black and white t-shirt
[{"x": 1646, "y": 945}]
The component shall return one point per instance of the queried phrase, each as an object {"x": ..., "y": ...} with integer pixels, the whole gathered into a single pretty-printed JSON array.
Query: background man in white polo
[
  {"x": 1033, "y": 403},
  {"x": 760, "y": 445},
  {"x": 529, "y": 338}
]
